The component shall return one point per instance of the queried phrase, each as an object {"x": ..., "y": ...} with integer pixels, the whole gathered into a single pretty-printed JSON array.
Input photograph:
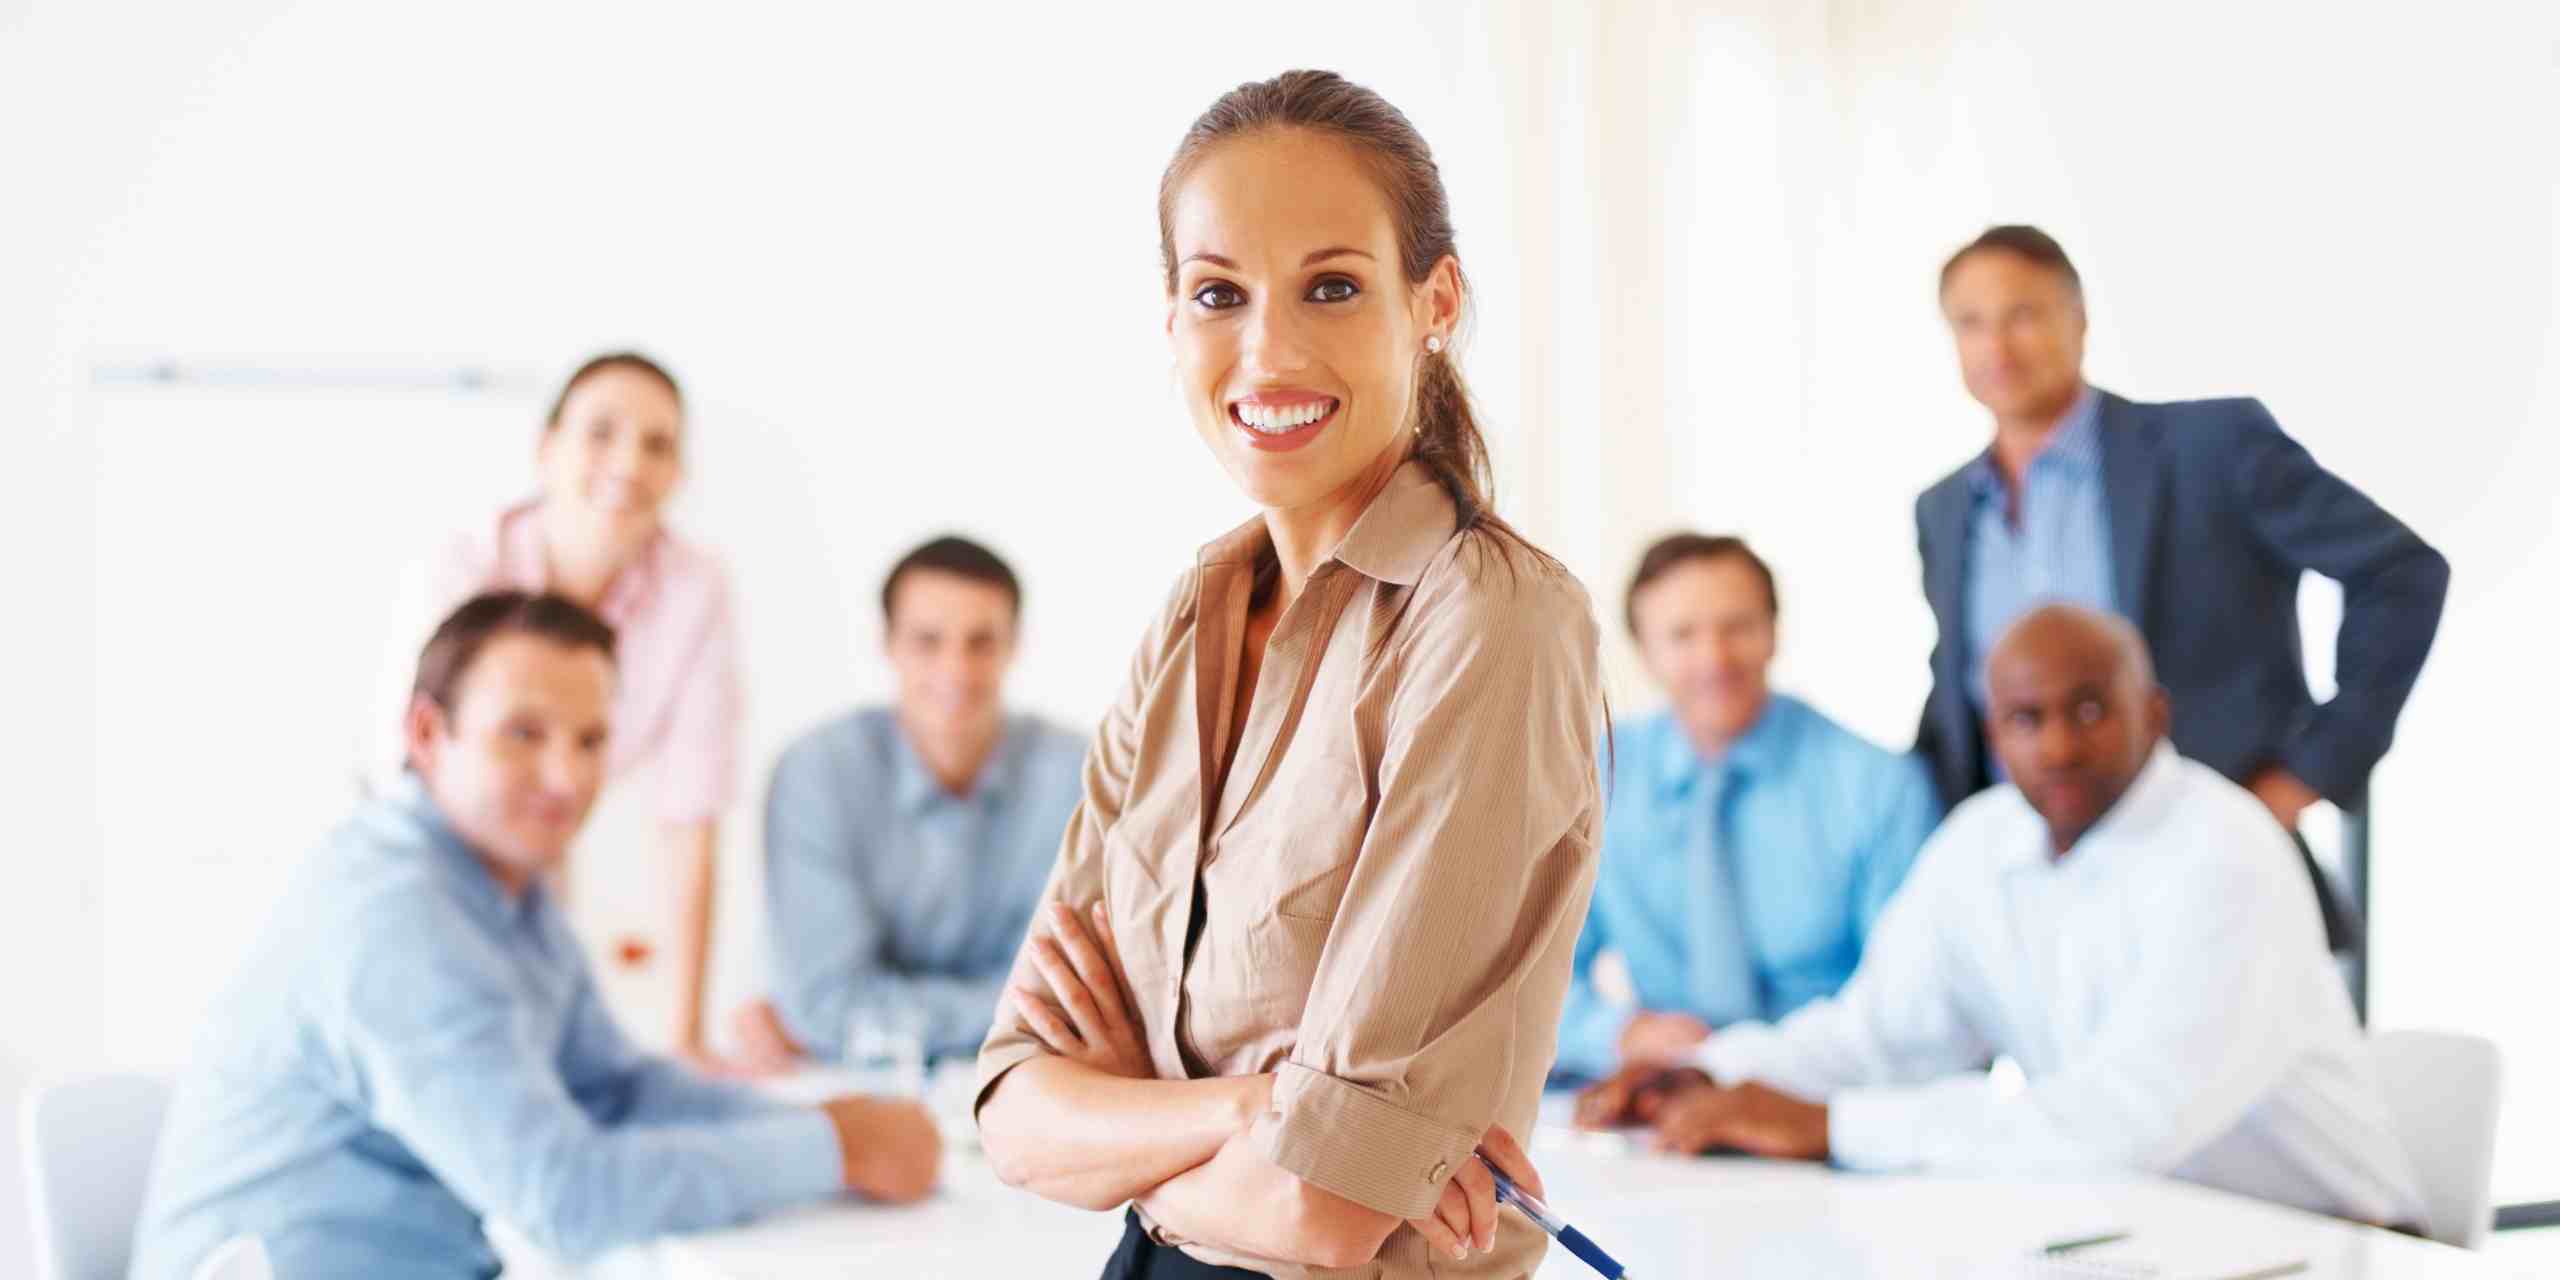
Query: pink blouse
[{"x": 678, "y": 699}]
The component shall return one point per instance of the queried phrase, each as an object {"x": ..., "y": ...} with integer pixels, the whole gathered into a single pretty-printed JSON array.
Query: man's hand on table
[
  {"x": 1688, "y": 1114},
  {"x": 892, "y": 1153},
  {"x": 1750, "y": 1118},
  {"x": 1634, "y": 1096}
]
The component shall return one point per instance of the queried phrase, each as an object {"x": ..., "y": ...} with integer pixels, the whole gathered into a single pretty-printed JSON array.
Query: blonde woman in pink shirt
[{"x": 611, "y": 455}]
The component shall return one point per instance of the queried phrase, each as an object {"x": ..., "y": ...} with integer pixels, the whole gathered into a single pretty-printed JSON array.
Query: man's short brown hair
[
  {"x": 466, "y": 631},
  {"x": 1667, "y": 554},
  {"x": 958, "y": 557},
  {"x": 2027, "y": 242}
]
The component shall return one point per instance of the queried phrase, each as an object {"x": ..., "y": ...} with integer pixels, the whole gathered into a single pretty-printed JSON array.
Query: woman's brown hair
[
  {"x": 1446, "y": 438},
  {"x": 631, "y": 360}
]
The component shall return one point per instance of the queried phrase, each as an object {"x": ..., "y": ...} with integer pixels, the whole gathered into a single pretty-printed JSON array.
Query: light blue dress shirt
[
  {"x": 1818, "y": 827},
  {"x": 883, "y": 889},
  {"x": 410, "y": 1049},
  {"x": 2059, "y": 551}
]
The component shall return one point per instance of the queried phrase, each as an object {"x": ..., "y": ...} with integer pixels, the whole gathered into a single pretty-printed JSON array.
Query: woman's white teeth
[{"x": 1264, "y": 417}]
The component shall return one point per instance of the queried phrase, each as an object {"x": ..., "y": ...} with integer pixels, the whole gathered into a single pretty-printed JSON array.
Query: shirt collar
[
  {"x": 524, "y": 562},
  {"x": 2153, "y": 789},
  {"x": 1393, "y": 541},
  {"x": 411, "y": 807},
  {"x": 2075, "y": 439},
  {"x": 1678, "y": 766},
  {"x": 2074, "y": 448},
  {"x": 915, "y": 790}
]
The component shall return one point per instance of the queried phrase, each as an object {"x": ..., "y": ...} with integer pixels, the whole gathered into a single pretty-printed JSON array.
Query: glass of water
[{"x": 884, "y": 1045}]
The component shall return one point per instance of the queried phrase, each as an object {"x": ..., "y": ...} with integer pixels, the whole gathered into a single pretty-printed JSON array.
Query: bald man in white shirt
[{"x": 2127, "y": 925}]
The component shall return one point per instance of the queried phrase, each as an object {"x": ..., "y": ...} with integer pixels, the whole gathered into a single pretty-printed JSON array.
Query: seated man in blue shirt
[
  {"x": 906, "y": 846},
  {"x": 416, "y": 1045},
  {"x": 1750, "y": 841},
  {"x": 2126, "y": 925}
]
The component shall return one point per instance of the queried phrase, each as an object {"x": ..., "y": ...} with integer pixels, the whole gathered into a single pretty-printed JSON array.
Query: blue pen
[{"x": 1505, "y": 1191}]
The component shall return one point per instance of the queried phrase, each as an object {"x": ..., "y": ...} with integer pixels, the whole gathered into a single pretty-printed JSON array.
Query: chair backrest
[
  {"x": 2444, "y": 1090},
  {"x": 88, "y": 1156},
  {"x": 238, "y": 1258}
]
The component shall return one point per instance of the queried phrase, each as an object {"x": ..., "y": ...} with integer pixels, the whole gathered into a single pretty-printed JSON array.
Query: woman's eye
[
  {"x": 1333, "y": 289},
  {"x": 1218, "y": 296}
]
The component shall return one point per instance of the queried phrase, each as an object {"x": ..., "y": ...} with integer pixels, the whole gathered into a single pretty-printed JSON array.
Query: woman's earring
[{"x": 1432, "y": 344}]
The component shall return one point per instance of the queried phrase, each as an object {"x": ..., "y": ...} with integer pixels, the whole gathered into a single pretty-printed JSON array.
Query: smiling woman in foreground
[{"x": 1310, "y": 930}]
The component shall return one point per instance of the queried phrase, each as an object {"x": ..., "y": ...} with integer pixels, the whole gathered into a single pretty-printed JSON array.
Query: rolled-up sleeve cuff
[
  {"x": 797, "y": 1158},
  {"x": 996, "y": 1059},
  {"x": 1349, "y": 1141}
]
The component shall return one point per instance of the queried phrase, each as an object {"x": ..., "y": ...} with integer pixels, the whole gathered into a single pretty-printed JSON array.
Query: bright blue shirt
[
  {"x": 2057, "y": 552},
  {"x": 410, "y": 1049},
  {"x": 1820, "y": 826},
  {"x": 884, "y": 889}
]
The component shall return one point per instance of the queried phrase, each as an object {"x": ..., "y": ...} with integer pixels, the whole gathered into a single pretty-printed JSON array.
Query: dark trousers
[{"x": 1140, "y": 1258}]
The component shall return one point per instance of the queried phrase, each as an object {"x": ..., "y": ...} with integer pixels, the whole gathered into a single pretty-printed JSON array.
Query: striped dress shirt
[{"x": 1389, "y": 881}]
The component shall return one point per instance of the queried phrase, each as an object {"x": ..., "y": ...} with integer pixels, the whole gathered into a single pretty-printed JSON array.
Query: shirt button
[{"x": 1438, "y": 1171}]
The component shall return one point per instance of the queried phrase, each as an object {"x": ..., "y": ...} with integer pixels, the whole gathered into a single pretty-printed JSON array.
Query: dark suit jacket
[{"x": 2215, "y": 513}]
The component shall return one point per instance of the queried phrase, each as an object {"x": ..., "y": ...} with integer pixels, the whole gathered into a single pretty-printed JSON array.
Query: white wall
[
  {"x": 880, "y": 247},
  {"x": 887, "y": 288}
]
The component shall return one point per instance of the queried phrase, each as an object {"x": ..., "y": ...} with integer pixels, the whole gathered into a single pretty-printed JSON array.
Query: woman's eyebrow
[{"x": 1337, "y": 251}]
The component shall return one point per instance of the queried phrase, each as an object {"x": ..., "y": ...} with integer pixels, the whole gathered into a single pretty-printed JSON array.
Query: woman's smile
[{"x": 1282, "y": 421}]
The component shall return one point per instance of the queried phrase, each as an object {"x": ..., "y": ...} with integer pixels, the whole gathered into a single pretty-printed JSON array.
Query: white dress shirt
[{"x": 2164, "y": 986}]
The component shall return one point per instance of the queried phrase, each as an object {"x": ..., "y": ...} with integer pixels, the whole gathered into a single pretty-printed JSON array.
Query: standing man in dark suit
[{"x": 2195, "y": 520}]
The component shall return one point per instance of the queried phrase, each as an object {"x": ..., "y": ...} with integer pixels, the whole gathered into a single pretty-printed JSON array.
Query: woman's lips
[{"x": 1282, "y": 423}]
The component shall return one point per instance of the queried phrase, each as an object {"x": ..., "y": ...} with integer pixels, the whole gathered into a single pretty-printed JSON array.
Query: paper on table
[{"x": 2165, "y": 1257}]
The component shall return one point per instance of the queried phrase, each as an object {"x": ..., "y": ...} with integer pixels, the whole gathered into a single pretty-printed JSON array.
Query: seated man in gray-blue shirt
[
  {"x": 1750, "y": 843},
  {"x": 905, "y": 847},
  {"x": 416, "y": 1044}
]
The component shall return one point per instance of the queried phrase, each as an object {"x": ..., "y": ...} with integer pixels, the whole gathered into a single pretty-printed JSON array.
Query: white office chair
[
  {"x": 238, "y": 1258},
  {"x": 2443, "y": 1090},
  {"x": 88, "y": 1155}
]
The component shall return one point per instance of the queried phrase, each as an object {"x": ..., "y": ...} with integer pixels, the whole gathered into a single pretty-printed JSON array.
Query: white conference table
[{"x": 1660, "y": 1217}]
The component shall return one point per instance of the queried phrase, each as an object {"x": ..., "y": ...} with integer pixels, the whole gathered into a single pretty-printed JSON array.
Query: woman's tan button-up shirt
[{"x": 1392, "y": 876}]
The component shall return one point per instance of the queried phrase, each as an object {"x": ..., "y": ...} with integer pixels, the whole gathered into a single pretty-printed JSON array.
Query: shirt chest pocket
[
  {"x": 1294, "y": 899},
  {"x": 1286, "y": 941},
  {"x": 1291, "y": 859}
]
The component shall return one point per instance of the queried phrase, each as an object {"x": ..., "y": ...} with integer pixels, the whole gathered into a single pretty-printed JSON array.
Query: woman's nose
[{"x": 1273, "y": 341}]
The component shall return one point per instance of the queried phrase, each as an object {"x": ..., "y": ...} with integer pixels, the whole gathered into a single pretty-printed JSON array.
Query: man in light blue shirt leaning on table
[
  {"x": 906, "y": 846},
  {"x": 1751, "y": 842},
  {"x": 2126, "y": 925},
  {"x": 415, "y": 1044}
]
